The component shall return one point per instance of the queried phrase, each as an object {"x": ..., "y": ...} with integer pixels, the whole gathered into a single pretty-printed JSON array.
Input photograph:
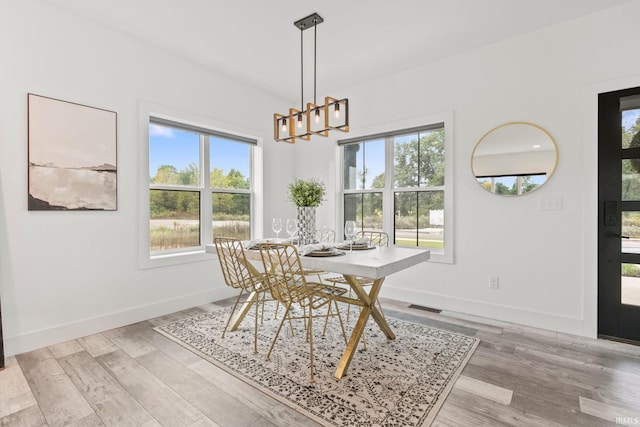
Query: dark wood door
[
  {"x": 619, "y": 214},
  {"x": 1, "y": 340}
]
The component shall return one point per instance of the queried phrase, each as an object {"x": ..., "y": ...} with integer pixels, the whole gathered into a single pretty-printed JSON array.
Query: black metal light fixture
[{"x": 315, "y": 119}]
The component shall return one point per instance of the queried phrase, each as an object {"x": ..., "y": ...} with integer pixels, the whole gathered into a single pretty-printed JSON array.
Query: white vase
[{"x": 306, "y": 224}]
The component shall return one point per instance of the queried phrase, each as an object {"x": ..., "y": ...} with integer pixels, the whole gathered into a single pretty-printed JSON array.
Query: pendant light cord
[
  {"x": 301, "y": 67},
  {"x": 315, "y": 55}
]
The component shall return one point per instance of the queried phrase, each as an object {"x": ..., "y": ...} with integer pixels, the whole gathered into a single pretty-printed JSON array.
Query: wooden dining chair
[
  {"x": 240, "y": 274},
  {"x": 288, "y": 285}
]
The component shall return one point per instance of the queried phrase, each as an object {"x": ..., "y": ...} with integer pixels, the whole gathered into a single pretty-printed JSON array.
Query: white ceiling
[{"x": 256, "y": 41}]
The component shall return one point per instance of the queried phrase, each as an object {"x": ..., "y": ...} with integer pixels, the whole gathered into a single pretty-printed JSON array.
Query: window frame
[
  {"x": 150, "y": 113},
  {"x": 389, "y": 191}
]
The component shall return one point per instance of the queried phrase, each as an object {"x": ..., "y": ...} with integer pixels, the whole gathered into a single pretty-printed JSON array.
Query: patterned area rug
[{"x": 401, "y": 382}]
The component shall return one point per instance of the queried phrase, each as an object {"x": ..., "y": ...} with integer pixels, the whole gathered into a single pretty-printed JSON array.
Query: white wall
[
  {"x": 545, "y": 259},
  {"x": 68, "y": 274}
]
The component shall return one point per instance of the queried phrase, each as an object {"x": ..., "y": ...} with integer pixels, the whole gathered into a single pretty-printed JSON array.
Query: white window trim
[
  {"x": 146, "y": 110},
  {"x": 362, "y": 132}
]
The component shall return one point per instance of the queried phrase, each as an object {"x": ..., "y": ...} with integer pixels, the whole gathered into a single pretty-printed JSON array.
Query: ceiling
[{"x": 255, "y": 40}]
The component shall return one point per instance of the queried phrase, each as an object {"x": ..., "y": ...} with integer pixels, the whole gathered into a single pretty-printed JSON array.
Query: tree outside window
[
  {"x": 187, "y": 207},
  {"x": 413, "y": 183}
]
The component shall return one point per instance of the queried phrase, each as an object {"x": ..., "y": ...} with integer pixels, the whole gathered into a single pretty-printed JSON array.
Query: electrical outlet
[{"x": 494, "y": 282}]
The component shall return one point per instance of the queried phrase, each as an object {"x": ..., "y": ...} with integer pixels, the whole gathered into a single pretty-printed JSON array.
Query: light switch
[{"x": 550, "y": 203}]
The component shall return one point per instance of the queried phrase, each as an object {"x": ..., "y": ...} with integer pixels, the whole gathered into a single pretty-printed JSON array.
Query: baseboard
[
  {"x": 45, "y": 337},
  {"x": 534, "y": 319}
]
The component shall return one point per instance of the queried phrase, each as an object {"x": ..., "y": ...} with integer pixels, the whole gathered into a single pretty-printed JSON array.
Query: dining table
[{"x": 375, "y": 263}]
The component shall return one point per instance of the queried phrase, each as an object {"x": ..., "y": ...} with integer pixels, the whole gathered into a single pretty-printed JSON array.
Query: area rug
[{"x": 401, "y": 382}]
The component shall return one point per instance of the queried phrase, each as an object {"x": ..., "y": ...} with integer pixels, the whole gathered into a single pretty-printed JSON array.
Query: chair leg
[
  {"x": 326, "y": 320},
  {"x": 344, "y": 334},
  {"x": 255, "y": 328},
  {"x": 264, "y": 298},
  {"x": 304, "y": 314},
  {"x": 233, "y": 311},
  {"x": 305, "y": 321},
  {"x": 291, "y": 327},
  {"x": 285, "y": 317},
  {"x": 275, "y": 316},
  {"x": 380, "y": 308},
  {"x": 311, "y": 339},
  {"x": 277, "y": 307},
  {"x": 364, "y": 340}
]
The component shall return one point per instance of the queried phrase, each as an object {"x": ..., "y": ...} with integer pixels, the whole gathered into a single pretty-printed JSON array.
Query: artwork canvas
[{"x": 72, "y": 156}]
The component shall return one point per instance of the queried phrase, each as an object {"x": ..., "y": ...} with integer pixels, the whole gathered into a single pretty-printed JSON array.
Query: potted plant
[{"x": 307, "y": 195}]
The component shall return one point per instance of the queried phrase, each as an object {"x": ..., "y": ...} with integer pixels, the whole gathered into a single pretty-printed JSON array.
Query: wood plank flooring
[{"x": 133, "y": 376}]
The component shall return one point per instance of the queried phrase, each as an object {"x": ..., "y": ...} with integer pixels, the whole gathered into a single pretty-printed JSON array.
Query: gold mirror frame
[{"x": 514, "y": 159}]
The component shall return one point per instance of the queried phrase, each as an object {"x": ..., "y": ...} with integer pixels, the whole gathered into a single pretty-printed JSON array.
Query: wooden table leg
[
  {"x": 246, "y": 306},
  {"x": 253, "y": 296},
  {"x": 1, "y": 343},
  {"x": 368, "y": 309},
  {"x": 350, "y": 350},
  {"x": 375, "y": 313}
]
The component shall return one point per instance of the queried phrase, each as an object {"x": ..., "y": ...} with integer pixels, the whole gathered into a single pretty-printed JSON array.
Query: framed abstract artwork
[{"x": 72, "y": 156}]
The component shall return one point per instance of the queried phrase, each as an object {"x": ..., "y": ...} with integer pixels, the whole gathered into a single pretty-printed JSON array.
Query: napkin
[
  {"x": 362, "y": 241},
  {"x": 252, "y": 244},
  {"x": 316, "y": 247}
]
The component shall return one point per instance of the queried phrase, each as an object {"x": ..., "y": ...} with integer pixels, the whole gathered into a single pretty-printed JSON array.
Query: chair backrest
[
  {"x": 325, "y": 235},
  {"x": 236, "y": 269},
  {"x": 376, "y": 238},
  {"x": 284, "y": 273}
]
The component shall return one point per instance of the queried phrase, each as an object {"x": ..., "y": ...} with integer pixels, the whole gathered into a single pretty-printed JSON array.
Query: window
[
  {"x": 398, "y": 182},
  {"x": 199, "y": 186},
  {"x": 364, "y": 183}
]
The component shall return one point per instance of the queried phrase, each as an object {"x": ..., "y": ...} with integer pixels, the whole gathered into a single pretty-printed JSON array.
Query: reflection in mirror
[{"x": 514, "y": 158}]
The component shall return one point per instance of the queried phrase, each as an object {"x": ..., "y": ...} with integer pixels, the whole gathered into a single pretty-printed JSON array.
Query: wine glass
[
  {"x": 324, "y": 234},
  {"x": 350, "y": 232},
  {"x": 276, "y": 226},
  {"x": 292, "y": 228}
]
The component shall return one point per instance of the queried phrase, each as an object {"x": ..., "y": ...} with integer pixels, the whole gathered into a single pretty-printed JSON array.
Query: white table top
[{"x": 373, "y": 263}]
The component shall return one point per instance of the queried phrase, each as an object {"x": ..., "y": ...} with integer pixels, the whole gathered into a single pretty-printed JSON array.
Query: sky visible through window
[
  {"x": 629, "y": 118},
  {"x": 179, "y": 148}
]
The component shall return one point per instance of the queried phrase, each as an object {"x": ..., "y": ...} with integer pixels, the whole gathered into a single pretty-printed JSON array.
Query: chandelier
[{"x": 315, "y": 119}]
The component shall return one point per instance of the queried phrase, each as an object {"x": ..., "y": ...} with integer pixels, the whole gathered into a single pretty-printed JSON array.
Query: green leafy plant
[
  {"x": 308, "y": 192},
  {"x": 630, "y": 270}
]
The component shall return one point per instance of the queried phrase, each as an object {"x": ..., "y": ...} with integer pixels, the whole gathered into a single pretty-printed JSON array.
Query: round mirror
[{"x": 514, "y": 158}]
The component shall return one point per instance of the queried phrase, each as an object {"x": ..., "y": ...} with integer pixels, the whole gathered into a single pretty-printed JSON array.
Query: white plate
[{"x": 333, "y": 252}]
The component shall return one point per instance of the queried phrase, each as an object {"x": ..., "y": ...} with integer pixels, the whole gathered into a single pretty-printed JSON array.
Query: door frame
[
  {"x": 610, "y": 256},
  {"x": 587, "y": 100}
]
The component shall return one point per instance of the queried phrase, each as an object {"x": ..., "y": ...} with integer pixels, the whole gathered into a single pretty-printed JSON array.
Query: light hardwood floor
[{"x": 133, "y": 376}]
